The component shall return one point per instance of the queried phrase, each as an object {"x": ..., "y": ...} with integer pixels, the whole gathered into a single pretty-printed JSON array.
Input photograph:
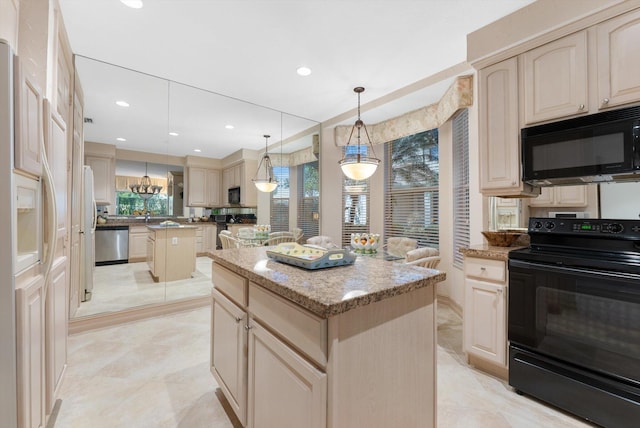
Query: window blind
[
  {"x": 461, "y": 230},
  {"x": 279, "y": 219},
  {"x": 308, "y": 198},
  {"x": 411, "y": 188}
]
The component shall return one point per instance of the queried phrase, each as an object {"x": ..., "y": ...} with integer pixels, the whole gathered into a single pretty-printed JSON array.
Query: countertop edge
[
  {"x": 326, "y": 310},
  {"x": 489, "y": 251}
]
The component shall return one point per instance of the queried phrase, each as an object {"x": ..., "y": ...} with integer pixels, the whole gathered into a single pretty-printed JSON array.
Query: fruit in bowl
[{"x": 501, "y": 238}]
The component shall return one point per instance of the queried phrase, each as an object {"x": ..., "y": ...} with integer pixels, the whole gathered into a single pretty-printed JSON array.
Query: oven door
[{"x": 588, "y": 318}]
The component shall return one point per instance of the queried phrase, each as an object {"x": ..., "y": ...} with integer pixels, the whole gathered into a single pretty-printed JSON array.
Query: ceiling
[{"x": 234, "y": 62}]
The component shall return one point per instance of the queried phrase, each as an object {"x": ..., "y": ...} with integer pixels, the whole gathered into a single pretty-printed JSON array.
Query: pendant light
[
  {"x": 358, "y": 166},
  {"x": 268, "y": 183},
  {"x": 145, "y": 189}
]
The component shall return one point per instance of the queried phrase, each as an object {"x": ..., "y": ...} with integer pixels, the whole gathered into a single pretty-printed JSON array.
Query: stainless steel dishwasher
[{"x": 112, "y": 245}]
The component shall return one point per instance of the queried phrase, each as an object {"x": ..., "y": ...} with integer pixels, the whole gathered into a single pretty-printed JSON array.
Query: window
[
  {"x": 280, "y": 200},
  {"x": 308, "y": 198},
  {"x": 355, "y": 202},
  {"x": 411, "y": 189},
  {"x": 129, "y": 203},
  {"x": 460, "y": 185}
]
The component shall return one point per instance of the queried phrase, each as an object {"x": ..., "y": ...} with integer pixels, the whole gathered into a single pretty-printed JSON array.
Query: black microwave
[
  {"x": 234, "y": 196},
  {"x": 589, "y": 149}
]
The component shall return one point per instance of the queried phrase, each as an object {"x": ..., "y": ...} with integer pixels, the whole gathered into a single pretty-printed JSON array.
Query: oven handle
[{"x": 570, "y": 269}]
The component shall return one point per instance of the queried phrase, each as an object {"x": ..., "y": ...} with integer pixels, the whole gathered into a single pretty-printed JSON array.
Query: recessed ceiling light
[
  {"x": 173, "y": 134},
  {"x": 303, "y": 71},
  {"x": 122, "y": 103},
  {"x": 133, "y": 4},
  {"x": 121, "y": 139},
  {"x": 229, "y": 126},
  {"x": 197, "y": 150}
]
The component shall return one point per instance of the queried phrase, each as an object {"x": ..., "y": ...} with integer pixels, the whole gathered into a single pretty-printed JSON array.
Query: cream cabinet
[
  {"x": 555, "y": 79},
  {"x": 200, "y": 240},
  {"x": 104, "y": 178},
  {"x": 239, "y": 176},
  {"x": 485, "y": 313},
  {"x": 138, "y": 243},
  {"x": 618, "y": 60},
  {"x": 203, "y": 187},
  {"x": 561, "y": 196},
  {"x": 210, "y": 237},
  {"x": 171, "y": 252},
  {"x": 56, "y": 331},
  {"x": 30, "y": 339},
  {"x": 499, "y": 131},
  {"x": 29, "y": 121}
]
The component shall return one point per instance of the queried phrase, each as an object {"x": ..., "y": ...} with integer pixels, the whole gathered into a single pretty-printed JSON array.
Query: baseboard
[
  {"x": 445, "y": 300},
  {"x": 491, "y": 368},
  {"x": 92, "y": 322}
]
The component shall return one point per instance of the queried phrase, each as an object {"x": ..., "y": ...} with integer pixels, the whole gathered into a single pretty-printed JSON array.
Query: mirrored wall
[{"x": 161, "y": 129}]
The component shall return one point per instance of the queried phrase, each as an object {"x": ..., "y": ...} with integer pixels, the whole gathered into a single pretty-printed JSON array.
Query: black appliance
[
  {"x": 574, "y": 317},
  {"x": 221, "y": 221},
  {"x": 234, "y": 196},
  {"x": 595, "y": 148}
]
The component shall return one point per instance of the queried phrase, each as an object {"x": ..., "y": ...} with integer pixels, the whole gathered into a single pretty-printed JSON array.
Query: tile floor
[
  {"x": 155, "y": 373},
  {"x": 118, "y": 287}
]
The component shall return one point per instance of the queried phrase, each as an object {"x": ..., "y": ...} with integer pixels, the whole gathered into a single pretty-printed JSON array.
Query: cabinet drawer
[
  {"x": 138, "y": 229},
  {"x": 294, "y": 324},
  {"x": 486, "y": 269},
  {"x": 230, "y": 283}
]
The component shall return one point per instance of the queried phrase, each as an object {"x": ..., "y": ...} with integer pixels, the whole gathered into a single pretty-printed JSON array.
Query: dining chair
[
  {"x": 321, "y": 241},
  {"x": 297, "y": 234},
  {"x": 399, "y": 246},
  {"x": 427, "y": 257},
  {"x": 276, "y": 238}
]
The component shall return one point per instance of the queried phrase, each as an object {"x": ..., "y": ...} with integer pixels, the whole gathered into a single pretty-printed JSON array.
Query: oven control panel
[{"x": 571, "y": 226}]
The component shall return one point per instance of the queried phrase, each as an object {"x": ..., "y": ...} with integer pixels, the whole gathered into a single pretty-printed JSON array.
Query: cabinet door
[
  {"x": 284, "y": 389},
  {"x": 545, "y": 199},
  {"x": 555, "y": 79},
  {"x": 228, "y": 352},
  {"x": 103, "y": 179},
  {"x": 213, "y": 188},
  {"x": 196, "y": 193},
  {"x": 30, "y": 353},
  {"x": 28, "y": 123},
  {"x": 571, "y": 196},
  {"x": 499, "y": 148},
  {"x": 151, "y": 248},
  {"x": 238, "y": 173},
  {"x": 485, "y": 320},
  {"x": 618, "y": 57},
  {"x": 137, "y": 243},
  {"x": 56, "y": 331}
]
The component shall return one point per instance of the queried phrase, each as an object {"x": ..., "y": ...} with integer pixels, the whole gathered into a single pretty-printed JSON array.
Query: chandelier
[
  {"x": 268, "y": 183},
  {"x": 145, "y": 189},
  {"x": 357, "y": 166}
]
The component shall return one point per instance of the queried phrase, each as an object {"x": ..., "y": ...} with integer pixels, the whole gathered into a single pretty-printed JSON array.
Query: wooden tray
[{"x": 305, "y": 257}]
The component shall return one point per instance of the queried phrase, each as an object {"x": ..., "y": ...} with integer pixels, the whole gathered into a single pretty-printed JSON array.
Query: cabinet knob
[
  {"x": 605, "y": 101},
  {"x": 238, "y": 319},
  {"x": 248, "y": 327},
  {"x": 581, "y": 107},
  {"x": 499, "y": 291}
]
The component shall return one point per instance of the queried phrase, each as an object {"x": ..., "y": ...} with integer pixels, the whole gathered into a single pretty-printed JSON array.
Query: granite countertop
[
  {"x": 161, "y": 227},
  {"x": 331, "y": 291},
  {"x": 489, "y": 251},
  {"x": 152, "y": 222}
]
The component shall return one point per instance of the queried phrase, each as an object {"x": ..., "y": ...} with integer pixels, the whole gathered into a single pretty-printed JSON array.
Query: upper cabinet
[
  {"x": 555, "y": 79},
  {"x": 618, "y": 59},
  {"x": 239, "y": 175},
  {"x": 561, "y": 196},
  {"x": 102, "y": 160},
  {"x": 203, "y": 187},
  {"x": 500, "y": 173},
  {"x": 29, "y": 123}
]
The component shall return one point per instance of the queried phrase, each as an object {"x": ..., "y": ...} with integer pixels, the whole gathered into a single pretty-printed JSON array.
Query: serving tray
[{"x": 310, "y": 257}]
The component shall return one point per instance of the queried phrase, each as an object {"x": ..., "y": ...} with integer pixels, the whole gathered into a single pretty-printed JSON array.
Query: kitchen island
[
  {"x": 171, "y": 252},
  {"x": 340, "y": 347}
]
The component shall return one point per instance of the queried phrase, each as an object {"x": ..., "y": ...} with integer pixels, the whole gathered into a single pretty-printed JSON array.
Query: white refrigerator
[{"x": 88, "y": 232}]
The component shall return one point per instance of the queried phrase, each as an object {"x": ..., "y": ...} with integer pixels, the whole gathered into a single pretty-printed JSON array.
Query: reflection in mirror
[{"x": 174, "y": 132}]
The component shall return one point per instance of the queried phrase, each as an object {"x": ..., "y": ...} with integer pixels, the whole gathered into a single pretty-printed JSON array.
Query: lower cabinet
[
  {"x": 56, "y": 331},
  {"x": 30, "y": 331},
  {"x": 485, "y": 314},
  {"x": 137, "y": 243},
  {"x": 285, "y": 390}
]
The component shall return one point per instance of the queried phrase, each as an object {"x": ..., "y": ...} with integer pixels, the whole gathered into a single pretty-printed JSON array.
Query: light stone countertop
[
  {"x": 489, "y": 251},
  {"x": 330, "y": 291},
  {"x": 160, "y": 227}
]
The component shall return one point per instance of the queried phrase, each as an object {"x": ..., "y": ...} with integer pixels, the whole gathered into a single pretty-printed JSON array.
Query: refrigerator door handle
[
  {"x": 52, "y": 218},
  {"x": 94, "y": 220}
]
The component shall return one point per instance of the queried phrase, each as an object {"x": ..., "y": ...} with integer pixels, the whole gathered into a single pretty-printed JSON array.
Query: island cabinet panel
[
  {"x": 231, "y": 284},
  {"x": 377, "y": 348},
  {"x": 137, "y": 243},
  {"x": 171, "y": 252},
  {"x": 228, "y": 323},
  {"x": 285, "y": 390}
]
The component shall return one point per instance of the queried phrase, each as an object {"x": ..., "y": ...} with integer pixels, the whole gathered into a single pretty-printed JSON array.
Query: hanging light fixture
[
  {"x": 145, "y": 189},
  {"x": 268, "y": 183},
  {"x": 356, "y": 166}
]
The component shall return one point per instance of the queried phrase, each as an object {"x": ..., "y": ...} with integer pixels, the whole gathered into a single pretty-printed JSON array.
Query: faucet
[{"x": 146, "y": 217}]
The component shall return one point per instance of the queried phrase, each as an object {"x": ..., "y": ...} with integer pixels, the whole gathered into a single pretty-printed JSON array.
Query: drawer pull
[{"x": 483, "y": 268}]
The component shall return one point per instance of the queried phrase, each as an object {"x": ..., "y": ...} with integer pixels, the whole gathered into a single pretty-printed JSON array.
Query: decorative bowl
[
  {"x": 501, "y": 238},
  {"x": 365, "y": 243}
]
